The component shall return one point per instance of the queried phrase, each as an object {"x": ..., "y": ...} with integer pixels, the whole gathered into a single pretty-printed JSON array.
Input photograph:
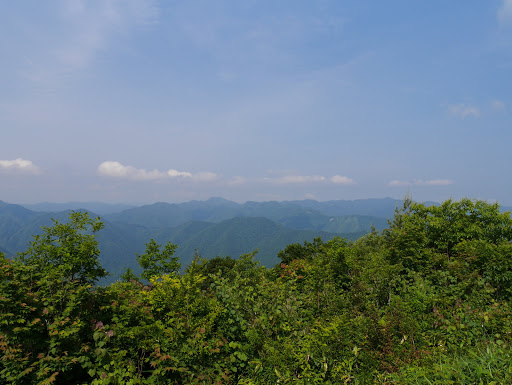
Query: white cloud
[
  {"x": 505, "y": 12},
  {"x": 398, "y": 183},
  {"x": 431, "y": 182},
  {"x": 338, "y": 179},
  {"x": 294, "y": 179},
  {"x": 118, "y": 170},
  {"x": 173, "y": 174},
  {"x": 19, "y": 165},
  {"x": 497, "y": 105},
  {"x": 299, "y": 179},
  {"x": 435, "y": 182},
  {"x": 237, "y": 180},
  {"x": 462, "y": 110}
]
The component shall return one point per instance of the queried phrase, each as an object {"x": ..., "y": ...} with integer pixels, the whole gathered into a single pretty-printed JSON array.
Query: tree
[
  {"x": 156, "y": 262},
  {"x": 68, "y": 251},
  {"x": 308, "y": 251},
  {"x": 47, "y": 304},
  {"x": 218, "y": 266},
  {"x": 418, "y": 232}
]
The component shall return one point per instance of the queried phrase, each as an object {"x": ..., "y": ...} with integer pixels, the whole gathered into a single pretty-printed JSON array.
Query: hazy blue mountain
[
  {"x": 96, "y": 207},
  {"x": 13, "y": 218},
  {"x": 174, "y": 214},
  {"x": 372, "y": 207},
  {"x": 216, "y": 227},
  {"x": 118, "y": 242},
  {"x": 289, "y": 214},
  {"x": 16, "y": 212},
  {"x": 121, "y": 242},
  {"x": 18, "y": 240},
  {"x": 181, "y": 233},
  {"x": 377, "y": 207},
  {"x": 242, "y": 235},
  {"x": 213, "y": 210}
]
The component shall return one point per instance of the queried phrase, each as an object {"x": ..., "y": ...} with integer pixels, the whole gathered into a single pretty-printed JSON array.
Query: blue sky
[{"x": 145, "y": 101}]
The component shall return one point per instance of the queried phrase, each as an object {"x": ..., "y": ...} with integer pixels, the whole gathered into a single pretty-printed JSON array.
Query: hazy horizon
[
  {"x": 174, "y": 202},
  {"x": 138, "y": 204}
]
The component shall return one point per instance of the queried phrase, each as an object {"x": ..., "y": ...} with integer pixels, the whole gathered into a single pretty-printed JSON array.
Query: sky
[{"x": 141, "y": 101}]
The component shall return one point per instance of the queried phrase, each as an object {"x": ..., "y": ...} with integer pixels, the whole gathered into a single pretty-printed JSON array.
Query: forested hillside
[
  {"x": 238, "y": 236},
  {"x": 425, "y": 301}
]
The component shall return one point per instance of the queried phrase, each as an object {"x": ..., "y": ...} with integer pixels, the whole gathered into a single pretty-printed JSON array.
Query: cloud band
[
  {"x": 117, "y": 170},
  {"x": 19, "y": 165}
]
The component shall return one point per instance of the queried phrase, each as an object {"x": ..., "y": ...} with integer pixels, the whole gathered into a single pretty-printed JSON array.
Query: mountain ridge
[{"x": 120, "y": 242}]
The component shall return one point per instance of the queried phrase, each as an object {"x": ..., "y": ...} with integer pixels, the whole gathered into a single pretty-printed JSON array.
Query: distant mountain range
[
  {"x": 215, "y": 227},
  {"x": 95, "y": 207},
  {"x": 289, "y": 214}
]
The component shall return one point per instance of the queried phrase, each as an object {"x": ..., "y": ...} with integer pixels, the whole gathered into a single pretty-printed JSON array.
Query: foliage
[
  {"x": 48, "y": 305},
  {"x": 156, "y": 262},
  {"x": 425, "y": 301},
  {"x": 66, "y": 250}
]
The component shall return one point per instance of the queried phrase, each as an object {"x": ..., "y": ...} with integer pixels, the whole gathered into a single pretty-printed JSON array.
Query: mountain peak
[{"x": 218, "y": 200}]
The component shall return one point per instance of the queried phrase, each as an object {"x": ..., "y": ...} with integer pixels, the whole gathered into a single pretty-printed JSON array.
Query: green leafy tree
[
  {"x": 47, "y": 299},
  {"x": 68, "y": 250},
  {"x": 129, "y": 275},
  {"x": 221, "y": 266},
  {"x": 453, "y": 222},
  {"x": 421, "y": 237},
  {"x": 307, "y": 251},
  {"x": 156, "y": 261}
]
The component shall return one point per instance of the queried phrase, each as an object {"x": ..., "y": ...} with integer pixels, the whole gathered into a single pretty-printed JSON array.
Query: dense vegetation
[{"x": 425, "y": 301}]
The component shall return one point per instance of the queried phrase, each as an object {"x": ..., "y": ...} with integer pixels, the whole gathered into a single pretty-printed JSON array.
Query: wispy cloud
[
  {"x": 118, "y": 170},
  {"x": 237, "y": 180},
  {"x": 19, "y": 165},
  {"x": 435, "y": 182},
  {"x": 302, "y": 179},
  {"x": 89, "y": 29},
  {"x": 505, "y": 12},
  {"x": 399, "y": 183},
  {"x": 95, "y": 23},
  {"x": 498, "y": 105},
  {"x": 462, "y": 110},
  {"x": 338, "y": 179},
  {"x": 295, "y": 179},
  {"x": 419, "y": 182}
]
